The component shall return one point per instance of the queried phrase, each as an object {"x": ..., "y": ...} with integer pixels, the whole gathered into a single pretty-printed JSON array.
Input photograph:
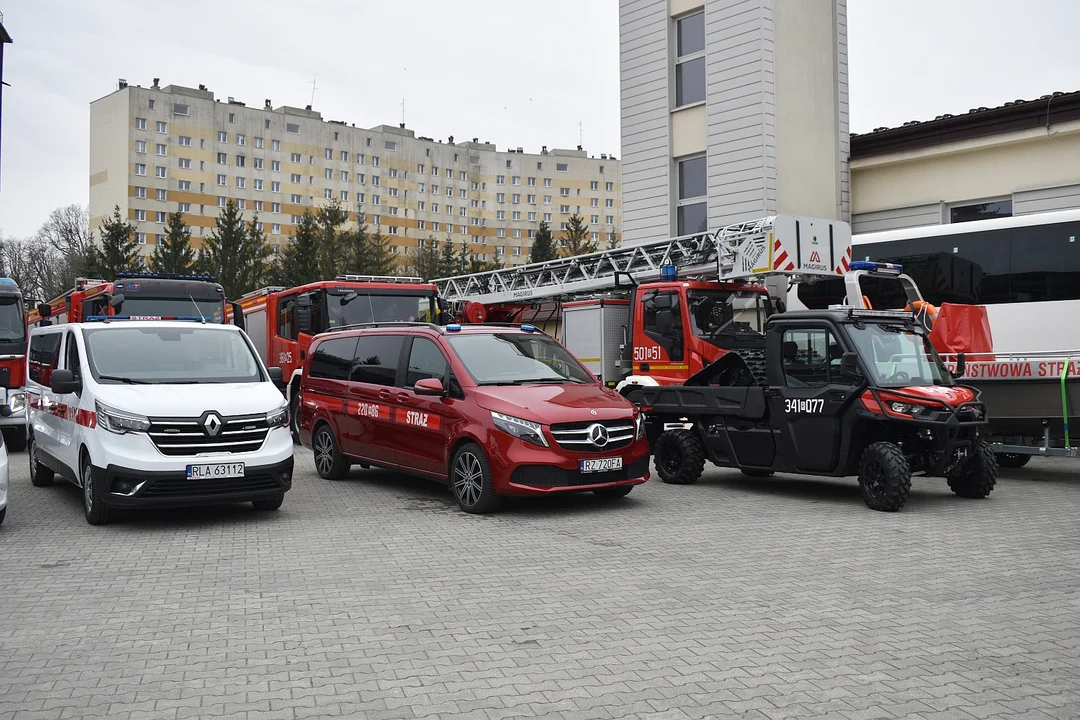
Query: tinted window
[
  {"x": 377, "y": 359},
  {"x": 980, "y": 211},
  {"x": 425, "y": 361},
  {"x": 44, "y": 357},
  {"x": 692, "y": 178},
  {"x": 333, "y": 359},
  {"x": 669, "y": 337},
  {"x": 693, "y": 218},
  {"x": 1010, "y": 265},
  {"x": 807, "y": 357},
  {"x": 170, "y": 355},
  {"x": 12, "y": 320},
  {"x": 691, "y": 34},
  {"x": 71, "y": 359},
  {"x": 690, "y": 82},
  {"x": 287, "y": 319}
]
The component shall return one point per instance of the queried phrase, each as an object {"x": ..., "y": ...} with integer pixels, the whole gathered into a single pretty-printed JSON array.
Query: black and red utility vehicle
[{"x": 835, "y": 392}]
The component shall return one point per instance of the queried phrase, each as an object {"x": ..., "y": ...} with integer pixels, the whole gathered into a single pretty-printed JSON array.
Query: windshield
[
  {"x": 351, "y": 308},
  {"x": 170, "y": 355},
  {"x": 517, "y": 359},
  {"x": 151, "y": 307},
  {"x": 899, "y": 357},
  {"x": 714, "y": 311},
  {"x": 12, "y": 320}
]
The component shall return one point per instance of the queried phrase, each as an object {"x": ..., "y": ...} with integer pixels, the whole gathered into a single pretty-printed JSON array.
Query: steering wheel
[{"x": 899, "y": 375}]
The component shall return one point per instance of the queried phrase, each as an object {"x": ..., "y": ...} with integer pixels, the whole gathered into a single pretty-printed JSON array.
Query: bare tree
[{"x": 67, "y": 231}]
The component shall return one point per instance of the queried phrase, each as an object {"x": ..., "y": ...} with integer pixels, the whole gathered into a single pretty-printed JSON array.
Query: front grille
[
  {"x": 182, "y": 487},
  {"x": 551, "y": 476},
  {"x": 575, "y": 436},
  {"x": 186, "y": 436}
]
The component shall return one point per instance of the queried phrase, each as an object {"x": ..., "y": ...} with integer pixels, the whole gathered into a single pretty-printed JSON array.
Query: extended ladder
[{"x": 779, "y": 244}]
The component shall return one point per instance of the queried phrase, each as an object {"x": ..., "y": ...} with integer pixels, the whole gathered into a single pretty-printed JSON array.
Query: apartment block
[{"x": 156, "y": 150}]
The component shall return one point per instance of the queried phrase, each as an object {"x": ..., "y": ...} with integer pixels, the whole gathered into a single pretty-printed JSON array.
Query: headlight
[
  {"x": 120, "y": 422},
  {"x": 907, "y": 408},
  {"x": 278, "y": 417},
  {"x": 17, "y": 402},
  {"x": 526, "y": 430},
  {"x": 640, "y": 425}
]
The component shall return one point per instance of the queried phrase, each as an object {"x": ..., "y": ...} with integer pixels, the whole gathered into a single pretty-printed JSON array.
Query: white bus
[{"x": 1024, "y": 269}]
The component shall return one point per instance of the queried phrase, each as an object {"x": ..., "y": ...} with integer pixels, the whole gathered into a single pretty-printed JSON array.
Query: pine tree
[
  {"x": 543, "y": 247},
  {"x": 575, "y": 239},
  {"x": 464, "y": 260},
  {"x": 426, "y": 261},
  {"x": 223, "y": 251},
  {"x": 259, "y": 254},
  {"x": 332, "y": 238},
  {"x": 175, "y": 254},
  {"x": 612, "y": 241},
  {"x": 448, "y": 264},
  {"x": 119, "y": 251},
  {"x": 356, "y": 247},
  {"x": 298, "y": 262},
  {"x": 382, "y": 259}
]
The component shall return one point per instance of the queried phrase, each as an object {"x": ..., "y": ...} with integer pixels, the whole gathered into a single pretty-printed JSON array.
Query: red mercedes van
[{"x": 492, "y": 411}]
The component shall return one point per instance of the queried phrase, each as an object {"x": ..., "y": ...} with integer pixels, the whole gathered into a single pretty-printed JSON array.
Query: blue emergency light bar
[
  {"x": 164, "y": 276},
  {"x": 528, "y": 328},
  {"x": 865, "y": 265},
  {"x": 453, "y": 327},
  {"x": 668, "y": 273},
  {"x": 136, "y": 318}
]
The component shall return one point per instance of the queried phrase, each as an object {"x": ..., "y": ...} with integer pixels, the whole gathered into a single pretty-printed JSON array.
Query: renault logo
[
  {"x": 598, "y": 435},
  {"x": 211, "y": 423}
]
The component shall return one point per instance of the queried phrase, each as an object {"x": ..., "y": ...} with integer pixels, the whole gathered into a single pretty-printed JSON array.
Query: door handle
[
  {"x": 355, "y": 391},
  {"x": 838, "y": 396},
  {"x": 384, "y": 394},
  {"x": 403, "y": 397}
]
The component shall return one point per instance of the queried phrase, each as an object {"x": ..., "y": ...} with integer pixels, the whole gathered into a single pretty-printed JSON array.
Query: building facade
[
  {"x": 731, "y": 110},
  {"x": 1016, "y": 159},
  {"x": 160, "y": 149}
]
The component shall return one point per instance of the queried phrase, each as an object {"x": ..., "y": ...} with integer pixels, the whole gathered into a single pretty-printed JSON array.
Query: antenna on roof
[
  {"x": 313, "y": 89},
  {"x": 580, "y": 134}
]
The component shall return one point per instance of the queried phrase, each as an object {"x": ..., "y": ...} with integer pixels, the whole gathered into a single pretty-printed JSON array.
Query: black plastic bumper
[{"x": 174, "y": 489}]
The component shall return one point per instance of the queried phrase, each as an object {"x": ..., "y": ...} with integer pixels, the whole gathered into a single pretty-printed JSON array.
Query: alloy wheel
[
  {"x": 468, "y": 478},
  {"x": 88, "y": 487},
  {"x": 324, "y": 451},
  {"x": 874, "y": 478}
]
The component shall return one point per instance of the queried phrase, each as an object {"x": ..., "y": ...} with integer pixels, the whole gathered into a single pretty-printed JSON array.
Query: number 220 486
[{"x": 798, "y": 405}]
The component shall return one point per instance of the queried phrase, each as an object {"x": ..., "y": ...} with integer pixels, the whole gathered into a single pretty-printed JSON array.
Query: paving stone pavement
[{"x": 374, "y": 597}]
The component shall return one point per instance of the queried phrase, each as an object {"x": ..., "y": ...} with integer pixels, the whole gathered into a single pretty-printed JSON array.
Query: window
[
  {"x": 501, "y": 232},
  {"x": 185, "y": 207},
  {"x": 258, "y": 206},
  {"x": 185, "y": 185},
  {"x": 610, "y": 219},
  {"x": 392, "y": 192},
  {"x": 140, "y": 215},
  {"x": 532, "y": 182},
  {"x": 275, "y": 145},
  {"x": 435, "y": 226},
  {"x": 517, "y": 214},
  {"x": 500, "y": 215},
  {"x": 294, "y": 178},
  {"x": 140, "y": 123},
  {"x": 221, "y": 180},
  {"x": 389, "y": 145},
  {"x": 232, "y": 117},
  {"x": 610, "y": 186},
  {"x": 377, "y": 359},
  {"x": 610, "y": 203},
  {"x": 517, "y": 249},
  {"x": 434, "y": 207},
  {"x": 450, "y": 192},
  {"x": 222, "y": 137},
  {"x": 516, "y": 180},
  {"x": 662, "y": 321},
  {"x": 376, "y": 200},
  {"x": 461, "y": 175},
  {"x": 594, "y": 219},
  {"x": 449, "y": 173},
  {"x": 692, "y": 209},
  {"x": 395, "y": 230},
  {"x": 547, "y": 182},
  {"x": 594, "y": 185},
  {"x": 434, "y": 189},
  {"x": 221, "y": 201},
  {"x": 561, "y": 167},
  {"x": 423, "y": 226},
  {"x": 547, "y": 217},
  {"x": 275, "y": 166},
  {"x": 159, "y": 195},
  {"x": 295, "y": 198},
  {"x": 565, "y": 209},
  {"x": 328, "y": 193},
  {"x": 344, "y": 196},
  {"x": 595, "y": 202},
  {"x": 259, "y": 143},
  {"x": 516, "y": 198},
  {"x": 564, "y": 192},
  {"x": 293, "y": 128},
  {"x": 595, "y": 236},
  {"x": 140, "y": 238},
  {"x": 159, "y": 171},
  {"x": 140, "y": 192},
  {"x": 241, "y": 139},
  {"x": 980, "y": 211},
  {"x": 333, "y": 359},
  {"x": 690, "y": 59},
  {"x": 329, "y": 153},
  {"x": 500, "y": 197},
  {"x": 240, "y": 161},
  {"x": 258, "y": 163},
  {"x": 375, "y": 161},
  {"x": 222, "y": 159},
  {"x": 184, "y": 164},
  {"x": 808, "y": 357},
  {"x": 160, "y": 217},
  {"x": 275, "y": 207},
  {"x": 463, "y": 212},
  {"x": 507, "y": 164},
  {"x": 275, "y": 229},
  {"x": 517, "y": 233},
  {"x": 275, "y": 186},
  {"x": 140, "y": 146},
  {"x": 328, "y": 174},
  {"x": 161, "y": 127},
  {"x": 500, "y": 179},
  {"x": 532, "y": 217},
  {"x": 421, "y": 205},
  {"x": 532, "y": 199}
]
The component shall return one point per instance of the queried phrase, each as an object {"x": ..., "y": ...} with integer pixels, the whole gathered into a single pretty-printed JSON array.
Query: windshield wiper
[
  {"x": 559, "y": 380},
  {"x": 125, "y": 380}
]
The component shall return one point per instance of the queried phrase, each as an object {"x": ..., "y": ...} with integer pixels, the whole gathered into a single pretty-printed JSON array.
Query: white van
[{"x": 156, "y": 414}]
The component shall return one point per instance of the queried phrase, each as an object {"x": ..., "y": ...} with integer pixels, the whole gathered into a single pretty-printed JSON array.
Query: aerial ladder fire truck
[{"x": 659, "y": 312}]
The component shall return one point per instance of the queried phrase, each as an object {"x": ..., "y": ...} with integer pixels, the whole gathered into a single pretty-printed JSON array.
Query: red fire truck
[
  {"x": 146, "y": 295},
  {"x": 13, "y": 334},
  {"x": 282, "y": 321}
]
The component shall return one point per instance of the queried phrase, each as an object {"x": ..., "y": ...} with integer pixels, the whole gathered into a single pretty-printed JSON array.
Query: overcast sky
[{"x": 515, "y": 72}]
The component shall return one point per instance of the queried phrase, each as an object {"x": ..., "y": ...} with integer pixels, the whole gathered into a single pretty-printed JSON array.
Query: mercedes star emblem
[{"x": 598, "y": 435}]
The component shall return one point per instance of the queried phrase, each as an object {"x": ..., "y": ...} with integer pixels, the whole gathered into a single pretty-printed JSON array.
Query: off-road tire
[
  {"x": 294, "y": 416},
  {"x": 884, "y": 477},
  {"x": 610, "y": 493},
  {"x": 757, "y": 473},
  {"x": 268, "y": 505},
  {"x": 97, "y": 513},
  {"x": 679, "y": 457},
  {"x": 40, "y": 476},
  {"x": 471, "y": 481},
  {"x": 977, "y": 477},
  {"x": 1012, "y": 460},
  {"x": 330, "y": 464},
  {"x": 15, "y": 439}
]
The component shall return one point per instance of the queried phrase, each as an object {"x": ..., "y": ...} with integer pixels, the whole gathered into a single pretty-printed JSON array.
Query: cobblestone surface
[{"x": 374, "y": 597}]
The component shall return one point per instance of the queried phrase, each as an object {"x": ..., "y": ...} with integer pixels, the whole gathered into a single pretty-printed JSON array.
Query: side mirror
[
  {"x": 781, "y": 306},
  {"x": 303, "y": 314},
  {"x": 849, "y": 365},
  {"x": 429, "y": 386},
  {"x": 63, "y": 382},
  {"x": 238, "y": 316},
  {"x": 116, "y": 302},
  {"x": 662, "y": 301},
  {"x": 277, "y": 377},
  {"x": 442, "y": 303},
  {"x": 44, "y": 310},
  {"x": 664, "y": 324},
  {"x": 347, "y": 297},
  {"x": 961, "y": 366}
]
